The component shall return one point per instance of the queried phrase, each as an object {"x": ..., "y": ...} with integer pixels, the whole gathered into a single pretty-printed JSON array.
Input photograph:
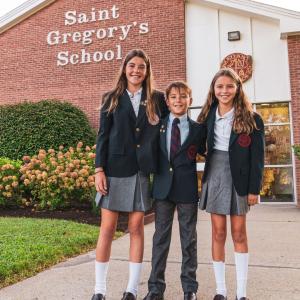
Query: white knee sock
[
  {"x": 219, "y": 270},
  {"x": 241, "y": 266},
  {"x": 134, "y": 277},
  {"x": 100, "y": 276}
]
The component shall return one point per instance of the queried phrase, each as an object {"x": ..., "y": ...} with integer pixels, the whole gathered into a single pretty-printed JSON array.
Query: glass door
[{"x": 278, "y": 173}]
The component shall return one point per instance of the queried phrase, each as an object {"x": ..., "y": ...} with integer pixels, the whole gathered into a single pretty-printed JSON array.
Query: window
[
  {"x": 277, "y": 185},
  {"x": 278, "y": 173}
]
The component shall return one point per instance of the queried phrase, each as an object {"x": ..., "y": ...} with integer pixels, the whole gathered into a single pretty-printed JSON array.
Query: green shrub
[
  {"x": 10, "y": 191},
  {"x": 27, "y": 127},
  {"x": 297, "y": 150}
]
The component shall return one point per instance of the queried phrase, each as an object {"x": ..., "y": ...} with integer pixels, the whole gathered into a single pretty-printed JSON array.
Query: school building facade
[{"x": 72, "y": 50}]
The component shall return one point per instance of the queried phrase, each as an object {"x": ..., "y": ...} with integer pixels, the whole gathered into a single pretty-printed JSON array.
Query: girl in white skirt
[
  {"x": 126, "y": 153},
  {"x": 233, "y": 172}
]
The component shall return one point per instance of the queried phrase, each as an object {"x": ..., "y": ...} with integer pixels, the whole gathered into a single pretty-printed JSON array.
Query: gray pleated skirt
[
  {"x": 218, "y": 195},
  {"x": 126, "y": 194}
]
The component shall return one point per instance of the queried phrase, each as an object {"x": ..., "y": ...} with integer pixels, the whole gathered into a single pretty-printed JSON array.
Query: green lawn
[{"x": 28, "y": 246}]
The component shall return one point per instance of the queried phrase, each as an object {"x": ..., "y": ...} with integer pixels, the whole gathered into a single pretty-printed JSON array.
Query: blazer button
[
  {"x": 137, "y": 129},
  {"x": 138, "y": 146},
  {"x": 171, "y": 170}
]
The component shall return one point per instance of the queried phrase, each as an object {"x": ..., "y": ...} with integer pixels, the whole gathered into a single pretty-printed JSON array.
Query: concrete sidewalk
[{"x": 274, "y": 272}]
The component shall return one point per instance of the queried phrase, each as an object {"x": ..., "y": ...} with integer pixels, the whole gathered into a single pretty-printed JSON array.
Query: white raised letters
[
  {"x": 70, "y": 17},
  {"x": 84, "y": 57},
  {"x": 88, "y": 36}
]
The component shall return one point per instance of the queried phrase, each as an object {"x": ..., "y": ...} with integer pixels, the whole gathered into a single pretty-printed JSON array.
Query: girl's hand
[
  {"x": 252, "y": 199},
  {"x": 101, "y": 183}
]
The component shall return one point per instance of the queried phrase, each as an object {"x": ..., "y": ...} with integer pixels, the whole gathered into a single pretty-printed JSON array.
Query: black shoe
[
  {"x": 98, "y": 297},
  {"x": 128, "y": 296},
  {"x": 243, "y": 298},
  {"x": 153, "y": 296},
  {"x": 219, "y": 297},
  {"x": 190, "y": 296}
]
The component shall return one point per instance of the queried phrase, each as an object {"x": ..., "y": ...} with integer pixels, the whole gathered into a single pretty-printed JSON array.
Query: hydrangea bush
[
  {"x": 51, "y": 179},
  {"x": 9, "y": 181}
]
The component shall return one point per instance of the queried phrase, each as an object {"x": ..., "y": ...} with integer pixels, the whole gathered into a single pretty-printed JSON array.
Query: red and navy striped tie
[{"x": 175, "y": 138}]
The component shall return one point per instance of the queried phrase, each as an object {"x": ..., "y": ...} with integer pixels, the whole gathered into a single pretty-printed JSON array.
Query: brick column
[{"x": 294, "y": 65}]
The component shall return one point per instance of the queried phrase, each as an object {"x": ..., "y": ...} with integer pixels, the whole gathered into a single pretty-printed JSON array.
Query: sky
[{"x": 6, "y": 6}]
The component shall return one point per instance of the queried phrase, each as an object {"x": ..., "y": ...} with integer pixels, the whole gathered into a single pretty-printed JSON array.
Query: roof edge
[
  {"x": 22, "y": 12},
  {"x": 30, "y": 7},
  {"x": 285, "y": 35},
  {"x": 289, "y": 20},
  {"x": 255, "y": 7}
]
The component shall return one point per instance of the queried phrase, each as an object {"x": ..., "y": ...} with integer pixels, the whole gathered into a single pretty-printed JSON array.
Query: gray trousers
[{"x": 187, "y": 218}]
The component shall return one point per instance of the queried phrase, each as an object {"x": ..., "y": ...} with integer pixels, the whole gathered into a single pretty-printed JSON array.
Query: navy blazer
[
  {"x": 178, "y": 181},
  {"x": 127, "y": 144},
  {"x": 246, "y": 155}
]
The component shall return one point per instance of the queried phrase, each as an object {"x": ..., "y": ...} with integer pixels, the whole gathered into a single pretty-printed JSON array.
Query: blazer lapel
[
  {"x": 188, "y": 138},
  {"x": 211, "y": 127},
  {"x": 163, "y": 136},
  {"x": 142, "y": 107},
  {"x": 127, "y": 103},
  {"x": 233, "y": 137}
]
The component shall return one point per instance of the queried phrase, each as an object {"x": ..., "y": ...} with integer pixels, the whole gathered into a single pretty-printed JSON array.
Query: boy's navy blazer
[
  {"x": 178, "y": 180},
  {"x": 246, "y": 155},
  {"x": 126, "y": 143}
]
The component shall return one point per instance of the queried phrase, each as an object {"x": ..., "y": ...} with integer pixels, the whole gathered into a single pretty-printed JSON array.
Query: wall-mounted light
[{"x": 234, "y": 36}]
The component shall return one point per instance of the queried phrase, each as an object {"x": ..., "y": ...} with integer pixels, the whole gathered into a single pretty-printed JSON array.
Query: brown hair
[
  {"x": 178, "y": 85},
  {"x": 243, "y": 112},
  {"x": 110, "y": 99}
]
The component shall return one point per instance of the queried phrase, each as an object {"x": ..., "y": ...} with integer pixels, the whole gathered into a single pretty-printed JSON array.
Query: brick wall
[
  {"x": 294, "y": 65},
  {"x": 29, "y": 68}
]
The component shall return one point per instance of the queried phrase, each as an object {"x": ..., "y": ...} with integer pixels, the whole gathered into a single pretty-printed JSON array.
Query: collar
[
  {"x": 132, "y": 95},
  {"x": 228, "y": 115},
  {"x": 182, "y": 118}
]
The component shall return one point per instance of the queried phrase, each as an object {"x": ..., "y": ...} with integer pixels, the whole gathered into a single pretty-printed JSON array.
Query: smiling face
[
  {"x": 178, "y": 101},
  {"x": 225, "y": 90},
  {"x": 135, "y": 72}
]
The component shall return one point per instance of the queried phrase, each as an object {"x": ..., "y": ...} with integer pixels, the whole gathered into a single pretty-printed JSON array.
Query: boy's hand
[
  {"x": 252, "y": 199},
  {"x": 101, "y": 183}
]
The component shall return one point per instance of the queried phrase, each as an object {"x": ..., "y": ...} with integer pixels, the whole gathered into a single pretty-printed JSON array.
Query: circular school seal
[
  {"x": 240, "y": 63},
  {"x": 192, "y": 152},
  {"x": 244, "y": 140}
]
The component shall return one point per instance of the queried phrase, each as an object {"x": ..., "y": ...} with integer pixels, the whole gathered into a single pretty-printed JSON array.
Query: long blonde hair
[
  {"x": 111, "y": 99},
  {"x": 244, "y": 121}
]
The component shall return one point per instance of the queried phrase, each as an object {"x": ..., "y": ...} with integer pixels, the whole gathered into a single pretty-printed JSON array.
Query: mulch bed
[{"x": 81, "y": 215}]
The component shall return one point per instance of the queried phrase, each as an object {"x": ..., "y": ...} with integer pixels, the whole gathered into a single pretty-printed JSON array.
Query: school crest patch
[{"x": 244, "y": 140}]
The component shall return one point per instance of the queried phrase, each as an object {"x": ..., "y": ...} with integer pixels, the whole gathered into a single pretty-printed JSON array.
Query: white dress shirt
[
  {"x": 135, "y": 100},
  {"x": 223, "y": 126}
]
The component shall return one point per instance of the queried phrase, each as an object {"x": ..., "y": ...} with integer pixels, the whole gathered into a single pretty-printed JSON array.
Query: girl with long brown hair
[
  {"x": 126, "y": 154},
  {"x": 233, "y": 172}
]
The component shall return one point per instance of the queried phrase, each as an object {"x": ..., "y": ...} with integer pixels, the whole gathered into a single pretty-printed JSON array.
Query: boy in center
[{"x": 176, "y": 186}]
